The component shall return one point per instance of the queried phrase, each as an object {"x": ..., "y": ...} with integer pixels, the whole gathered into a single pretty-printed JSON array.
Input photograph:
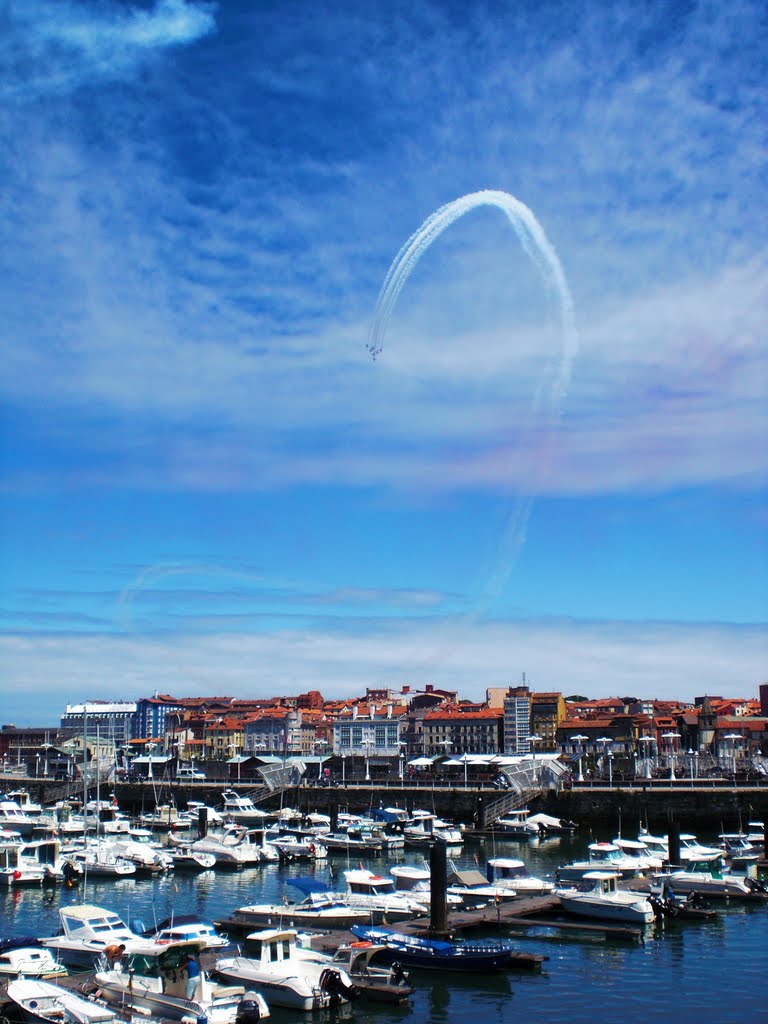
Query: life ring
[
  {"x": 312, "y": 848},
  {"x": 360, "y": 945}
]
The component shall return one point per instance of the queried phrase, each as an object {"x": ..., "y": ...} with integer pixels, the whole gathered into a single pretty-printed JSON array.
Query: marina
[{"x": 535, "y": 956}]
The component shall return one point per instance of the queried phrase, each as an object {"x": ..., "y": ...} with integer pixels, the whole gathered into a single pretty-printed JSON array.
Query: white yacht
[
  {"x": 605, "y": 901},
  {"x": 270, "y": 962}
]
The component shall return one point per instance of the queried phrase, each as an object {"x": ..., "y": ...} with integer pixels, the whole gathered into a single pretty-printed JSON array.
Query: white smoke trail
[{"x": 543, "y": 255}]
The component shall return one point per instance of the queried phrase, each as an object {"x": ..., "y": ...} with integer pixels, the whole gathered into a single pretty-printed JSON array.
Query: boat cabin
[
  {"x": 505, "y": 868},
  {"x": 364, "y": 883},
  {"x": 271, "y": 945},
  {"x": 603, "y": 882}
]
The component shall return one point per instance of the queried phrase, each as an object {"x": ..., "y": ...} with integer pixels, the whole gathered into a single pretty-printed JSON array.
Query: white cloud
[{"x": 651, "y": 660}]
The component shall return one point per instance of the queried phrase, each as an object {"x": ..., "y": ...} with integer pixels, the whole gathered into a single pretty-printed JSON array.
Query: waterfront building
[
  {"x": 547, "y": 712},
  {"x": 370, "y": 731},
  {"x": 105, "y": 720},
  {"x": 455, "y": 729},
  {"x": 152, "y": 716},
  {"x": 517, "y": 720}
]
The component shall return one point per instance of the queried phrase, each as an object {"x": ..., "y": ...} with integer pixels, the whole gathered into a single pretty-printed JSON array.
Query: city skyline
[{"x": 209, "y": 486}]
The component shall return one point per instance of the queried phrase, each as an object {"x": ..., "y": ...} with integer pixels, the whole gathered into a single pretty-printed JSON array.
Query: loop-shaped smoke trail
[{"x": 544, "y": 256}]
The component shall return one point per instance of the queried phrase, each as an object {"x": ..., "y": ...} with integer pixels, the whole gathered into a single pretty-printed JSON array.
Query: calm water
[{"x": 702, "y": 972}]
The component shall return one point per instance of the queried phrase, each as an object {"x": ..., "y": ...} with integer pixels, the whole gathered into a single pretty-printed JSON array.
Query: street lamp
[
  {"x": 690, "y": 763},
  {"x": 671, "y": 736},
  {"x": 733, "y": 736},
  {"x": 533, "y": 740},
  {"x": 367, "y": 744},
  {"x": 647, "y": 740},
  {"x": 580, "y": 739},
  {"x": 607, "y": 741}
]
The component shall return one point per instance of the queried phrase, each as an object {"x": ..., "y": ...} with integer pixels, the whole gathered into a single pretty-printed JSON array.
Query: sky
[{"x": 210, "y": 486}]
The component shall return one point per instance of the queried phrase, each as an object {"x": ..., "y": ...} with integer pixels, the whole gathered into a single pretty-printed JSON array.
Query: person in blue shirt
[{"x": 193, "y": 975}]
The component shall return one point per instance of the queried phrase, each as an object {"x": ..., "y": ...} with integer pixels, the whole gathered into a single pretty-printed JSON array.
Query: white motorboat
[
  {"x": 690, "y": 847},
  {"x": 551, "y": 826},
  {"x": 99, "y": 860},
  {"x": 41, "y": 1002},
  {"x": 157, "y": 979},
  {"x": 242, "y": 810},
  {"x": 187, "y": 928},
  {"x": 426, "y": 827},
  {"x": 638, "y": 851},
  {"x": 756, "y": 834},
  {"x": 600, "y": 857},
  {"x": 418, "y": 883},
  {"x": 13, "y": 819},
  {"x": 472, "y": 889},
  {"x": 377, "y": 984},
  {"x": 738, "y": 850},
  {"x": 271, "y": 963},
  {"x": 293, "y": 847},
  {"x": 516, "y": 825},
  {"x": 85, "y": 933},
  {"x": 187, "y": 859},
  {"x": 706, "y": 876},
  {"x": 46, "y": 853},
  {"x": 376, "y": 894},
  {"x": 30, "y": 962},
  {"x": 605, "y": 901},
  {"x": 16, "y": 869},
  {"x": 146, "y": 858},
  {"x": 318, "y": 910},
  {"x": 509, "y": 873}
]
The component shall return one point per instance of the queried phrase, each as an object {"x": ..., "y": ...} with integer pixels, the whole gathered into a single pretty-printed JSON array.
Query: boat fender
[
  {"x": 312, "y": 849},
  {"x": 17, "y": 874},
  {"x": 361, "y": 945}
]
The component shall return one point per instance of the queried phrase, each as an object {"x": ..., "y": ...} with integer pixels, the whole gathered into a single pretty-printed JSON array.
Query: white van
[{"x": 190, "y": 774}]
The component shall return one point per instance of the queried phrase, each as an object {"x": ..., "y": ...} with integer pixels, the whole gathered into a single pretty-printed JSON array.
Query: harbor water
[{"x": 699, "y": 971}]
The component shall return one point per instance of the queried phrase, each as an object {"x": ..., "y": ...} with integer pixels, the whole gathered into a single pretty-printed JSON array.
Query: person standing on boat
[{"x": 193, "y": 975}]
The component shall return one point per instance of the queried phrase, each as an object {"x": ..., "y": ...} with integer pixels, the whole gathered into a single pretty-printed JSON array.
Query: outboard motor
[
  {"x": 331, "y": 982},
  {"x": 251, "y": 1009}
]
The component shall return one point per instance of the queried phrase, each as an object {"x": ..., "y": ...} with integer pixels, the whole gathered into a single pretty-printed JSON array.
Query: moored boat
[
  {"x": 437, "y": 954},
  {"x": 42, "y": 1002},
  {"x": 605, "y": 901},
  {"x": 167, "y": 981},
  {"x": 271, "y": 962}
]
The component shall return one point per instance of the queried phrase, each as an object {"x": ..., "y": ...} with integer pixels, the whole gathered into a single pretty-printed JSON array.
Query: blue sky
[{"x": 208, "y": 485}]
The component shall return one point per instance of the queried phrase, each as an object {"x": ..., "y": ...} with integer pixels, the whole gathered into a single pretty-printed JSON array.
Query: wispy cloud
[{"x": 56, "y": 46}]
